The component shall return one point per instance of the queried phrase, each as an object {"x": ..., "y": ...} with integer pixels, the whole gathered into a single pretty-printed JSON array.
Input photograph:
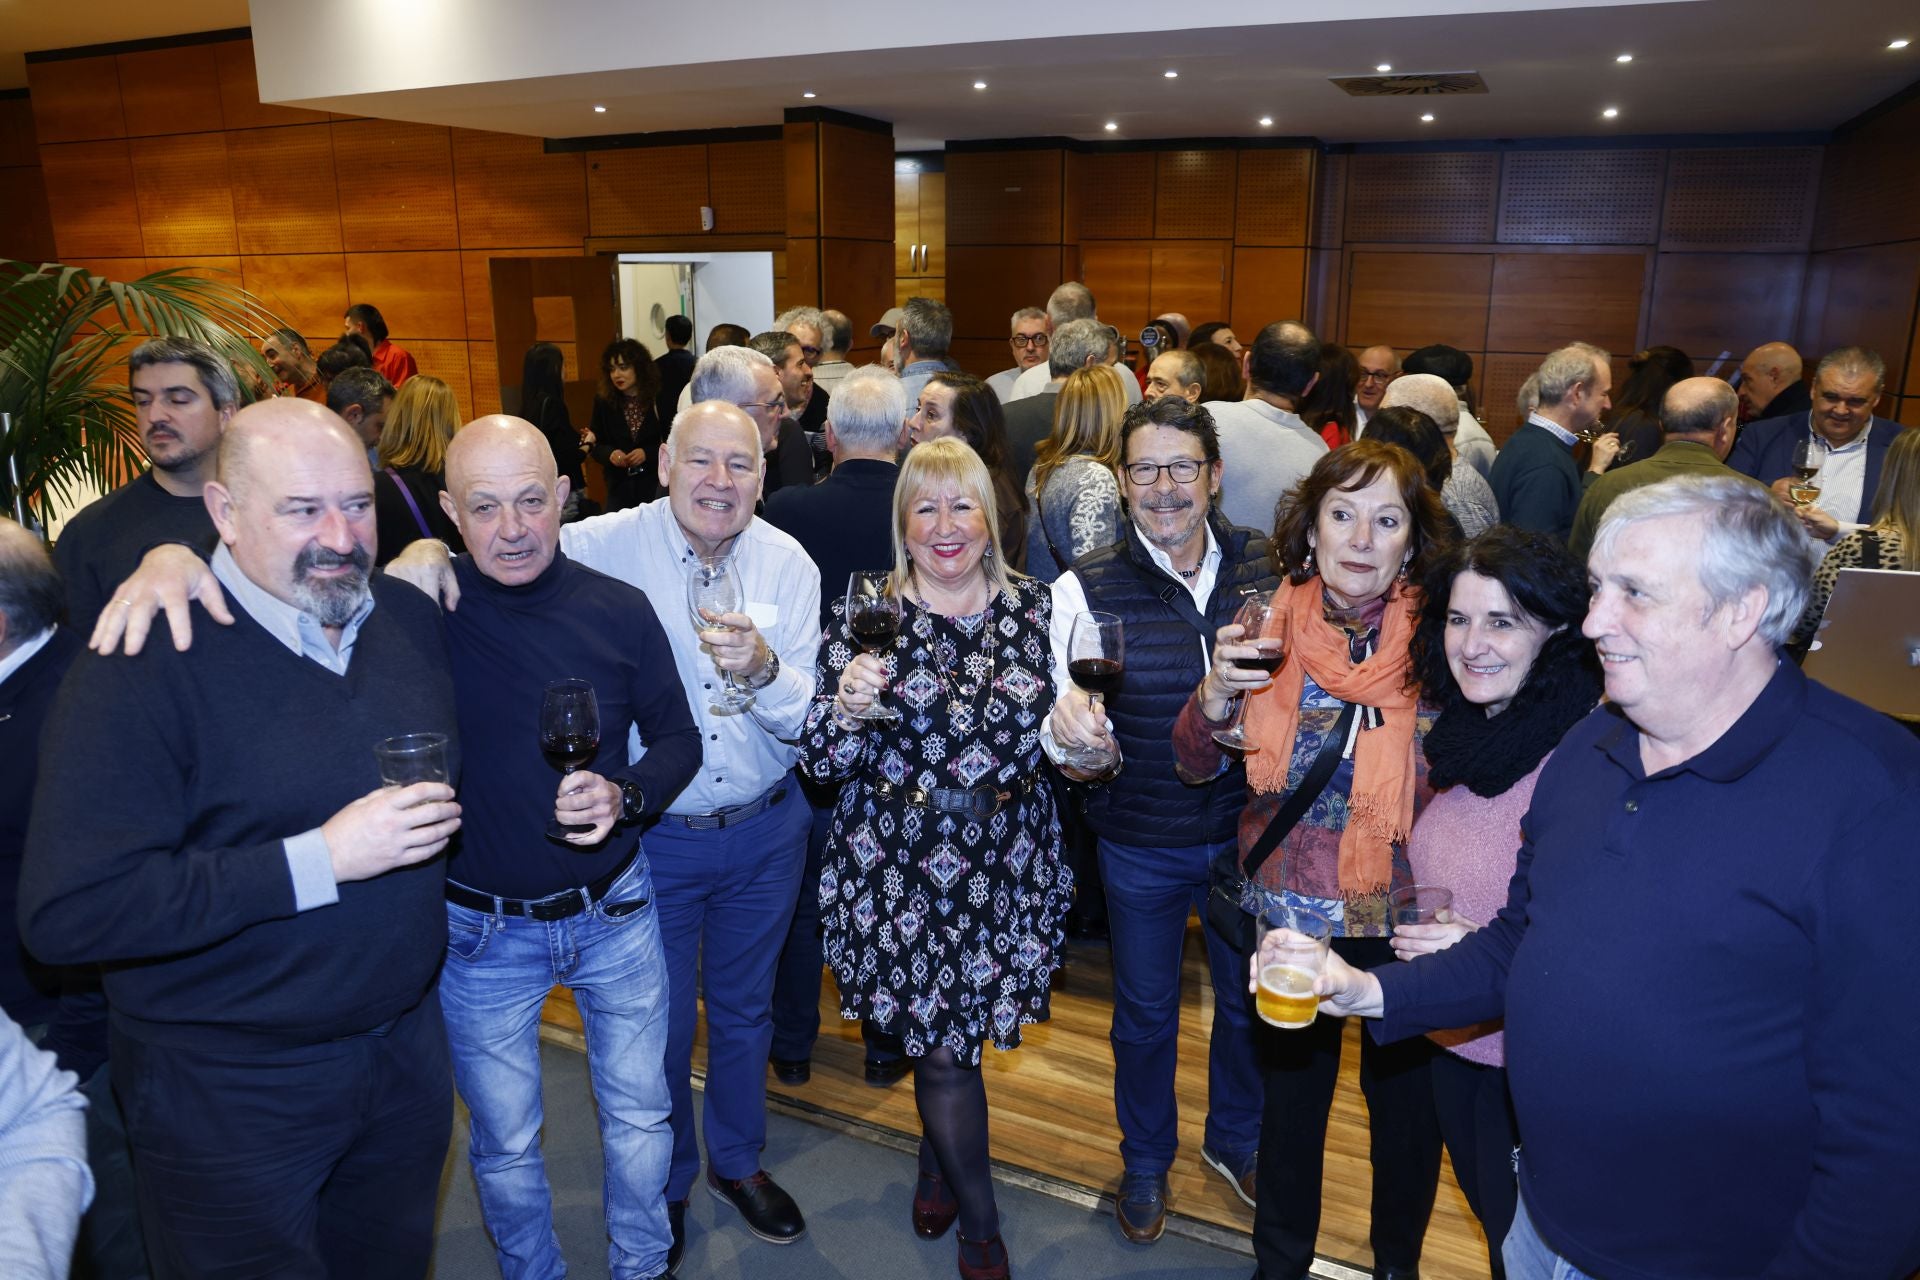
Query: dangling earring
[
  {"x": 988, "y": 553},
  {"x": 1306, "y": 566},
  {"x": 1403, "y": 568}
]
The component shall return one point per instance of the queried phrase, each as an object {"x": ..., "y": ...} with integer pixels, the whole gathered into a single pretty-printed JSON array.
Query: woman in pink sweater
[{"x": 1498, "y": 649}]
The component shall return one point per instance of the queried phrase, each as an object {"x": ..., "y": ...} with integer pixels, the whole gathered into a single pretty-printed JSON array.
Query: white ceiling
[{"x": 1700, "y": 66}]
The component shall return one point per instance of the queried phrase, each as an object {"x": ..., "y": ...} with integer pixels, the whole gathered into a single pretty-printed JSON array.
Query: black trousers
[
  {"x": 1476, "y": 1120},
  {"x": 1299, "y": 1071},
  {"x": 320, "y": 1162}
]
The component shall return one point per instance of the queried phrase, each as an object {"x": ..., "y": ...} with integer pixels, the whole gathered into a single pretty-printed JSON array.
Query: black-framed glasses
[
  {"x": 809, "y": 354},
  {"x": 1029, "y": 340},
  {"x": 771, "y": 406},
  {"x": 1376, "y": 375},
  {"x": 1147, "y": 474}
]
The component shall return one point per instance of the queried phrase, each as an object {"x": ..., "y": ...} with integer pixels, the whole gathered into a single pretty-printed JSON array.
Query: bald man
[
  {"x": 1176, "y": 373},
  {"x": 1771, "y": 384},
  {"x": 211, "y": 827},
  {"x": 1699, "y": 418},
  {"x": 1379, "y": 366}
]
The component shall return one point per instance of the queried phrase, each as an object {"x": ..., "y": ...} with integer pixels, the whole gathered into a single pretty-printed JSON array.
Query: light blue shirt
[
  {"x": 45, "y": 1184},
  {"x": 914, "y": 379},
  {"x": 746, "y": 754},
  {"x": 1560, "y": 433}
]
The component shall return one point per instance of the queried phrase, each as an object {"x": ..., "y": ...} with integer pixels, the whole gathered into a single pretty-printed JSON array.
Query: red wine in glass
[
  {"x": 1252, "y": 620},
  {"x": 1096, "y": 660},
  {"x": 1269, "y": 661},
  {"x": 569, "y": 736},
  {"x": 1097, "y": 675},
  {"x": 873, "y": 617}
]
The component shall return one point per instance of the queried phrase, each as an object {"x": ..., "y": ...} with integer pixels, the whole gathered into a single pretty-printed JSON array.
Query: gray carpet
[{"x": 855, "y": 1195}]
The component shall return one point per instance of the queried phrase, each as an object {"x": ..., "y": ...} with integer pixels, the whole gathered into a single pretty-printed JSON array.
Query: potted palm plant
[{"x": 63, "y": 332}]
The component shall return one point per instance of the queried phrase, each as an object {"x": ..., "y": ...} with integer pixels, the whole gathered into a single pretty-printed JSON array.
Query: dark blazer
[
  {"x": 1537, "y": 482},
  {"x": 844, "y": 523},
  {"x": 1765, "y": 452},
  {"x": 676, "y": 371},
  {"x": 627, "y": 486},
  {"x": 27, "y": 988},
  {"x": 1029, "y": 421},
  {"x": 1795, "y": 397}
]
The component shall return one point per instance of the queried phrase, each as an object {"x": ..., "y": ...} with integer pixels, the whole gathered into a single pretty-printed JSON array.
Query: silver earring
[{"x": 1306, "y": 566}]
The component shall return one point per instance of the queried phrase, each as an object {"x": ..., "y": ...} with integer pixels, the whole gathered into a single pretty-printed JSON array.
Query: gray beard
[{"x": 332, "y": 602}]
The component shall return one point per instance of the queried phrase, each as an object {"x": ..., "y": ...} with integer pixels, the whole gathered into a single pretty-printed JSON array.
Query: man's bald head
[
  {"x": 268, "y": 430},
  {"x": 497, "y": 436},
  {"x": 1769, "y": 369},
  {"x": 30, "y": 596},
  {"x": 1703, "y": 410},
  {"x": 1379, "y": 366},
  {"x": 506, "y": 494}
]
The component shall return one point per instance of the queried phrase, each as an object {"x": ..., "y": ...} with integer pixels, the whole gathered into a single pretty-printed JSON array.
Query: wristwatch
[
  {"x": 767, "y": 673},
  {"x": 633, "y": 804}
]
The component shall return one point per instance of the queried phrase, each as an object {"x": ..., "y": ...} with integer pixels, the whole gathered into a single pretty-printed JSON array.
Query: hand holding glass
[
  {"x": 569, "y": 736},
  {"x": 1291, "y": 953},
  {"x": 1809, "y": 455},
  {"x": 411, "y": 758},
  {"x": 873, "y": 617},
  {"x": 713, "y": 589},
  {"x": 1252, "y": 620},
  {"x": 1096, "y": 660}
]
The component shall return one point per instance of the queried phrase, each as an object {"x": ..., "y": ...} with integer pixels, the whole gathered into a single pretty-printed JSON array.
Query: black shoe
[
  {"x": 770, "y": 1213},
  {"x": 1141, "y": 1206},
  {"x": 792, "y": 1070},
  {"x": 884, "y": 1073},
  {"x": 677, "y": 1223}
]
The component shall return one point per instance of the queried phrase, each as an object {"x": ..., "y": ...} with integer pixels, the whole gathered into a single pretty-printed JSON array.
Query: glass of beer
[
  {"x": 1292, "y": 952},
  {"x": 1420, "y": 904}
]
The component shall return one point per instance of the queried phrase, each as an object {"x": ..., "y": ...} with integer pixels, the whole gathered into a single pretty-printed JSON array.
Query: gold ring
[{"x": 124, "y": 603}]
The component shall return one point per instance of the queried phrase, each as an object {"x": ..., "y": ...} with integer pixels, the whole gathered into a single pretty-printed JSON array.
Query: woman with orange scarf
[{"x": 1349, "y": 540}]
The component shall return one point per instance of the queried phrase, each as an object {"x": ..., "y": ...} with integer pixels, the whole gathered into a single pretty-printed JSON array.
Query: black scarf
[{"x": 1491, "y": 753}]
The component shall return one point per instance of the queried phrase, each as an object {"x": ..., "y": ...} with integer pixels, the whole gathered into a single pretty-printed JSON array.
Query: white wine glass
[{"x": 713, "y": 589}]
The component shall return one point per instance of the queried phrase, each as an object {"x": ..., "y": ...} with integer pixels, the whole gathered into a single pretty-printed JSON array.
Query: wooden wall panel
[
  {"x": 1870, "y": 183},
  {"x": 1004, "y": 198},
  {"x": 1325, "y": 305},
  {"x": 483, "y": 371},
  {"x": 1328, "y": 229},
  {"x": 478, "y": 288},
  {"x": 307, "y": 290},
  {"x": 447, "y": 361},
  {"x": 857, "y": 173},
  {"x": 1424, "y": 197},
  {"x": 1755, "y": 199},
  {"x": 1864, "y": 297},
  {"x": 90, "y": 198},
  {"x": 1190, "y": 278},
  {"x": 285, "y": 199},
  {"x": 26, "y": 228},
  {"x": 508, "y": 191},
  {"x": 184, "y": 194},
  {"x": 1116, "y": 195},
  {"x": 240, "y": 105},
  {"x": 988, "y": 283},
  {"x": 396, "y": 185},
  {"x": 856, "y": 276},
  {"x": 76, "y": 99},
  {"x": 981, "y": 357},
  {"x": 1272, "y": 195},
  {"x": 1194, "y": 195},
  {"x": 1269, "y": 284},
  {"x": 649, "y": 191},
  {"x": 1502, "y": 377},
  {"x": 173, "y": 90},
  {"x": 1908, "y": 411},
  {"x": 1412, "y": 299},
  {"x": 800, "y": 161},
  {"x": 419, "y": 294},
  {"x": 18, "y": 145},
  {"x": 802, "y": 278},
  {"x": 1704, "y": 303},
  {"x": 1581, "y": 197},
  {"x": 746, "y": 186},
  {"x": 1118, "y": 273},
  {"x": 1541, "y": 301}
]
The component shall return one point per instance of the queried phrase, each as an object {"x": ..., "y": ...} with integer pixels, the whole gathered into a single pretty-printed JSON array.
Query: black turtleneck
[{"x": 506, "y": 643}]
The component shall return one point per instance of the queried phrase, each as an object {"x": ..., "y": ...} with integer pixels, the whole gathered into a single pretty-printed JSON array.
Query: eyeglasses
[
  {"x": 1376, "y": 375},
  {"x": 1029, "y": 339},
  {"x": 1147, "y": 474},
  {"x": 1834, "y": 400},
  {"x": 809, "y": 354},
  {"x": 775, "y": 407}
]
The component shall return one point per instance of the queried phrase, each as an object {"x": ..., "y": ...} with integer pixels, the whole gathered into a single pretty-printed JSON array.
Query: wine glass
[
  {"x": 873, "y": 616},
  {"x": 1809, "y": 456},
  {"x": 1096, "y": 659},
  {"x": 1252, "y": 620},
  {"x": 714, "y": 588},
  {"x": 569, "y": 736}
]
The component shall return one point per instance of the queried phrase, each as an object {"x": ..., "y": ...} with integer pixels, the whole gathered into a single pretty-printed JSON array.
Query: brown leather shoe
[
  {"x": 934, "y": 1207},
  {"x": 1140, "y": 1206},
  {"x": 984, "y": 1259},
  {"x": 1238, "y": 1173}
]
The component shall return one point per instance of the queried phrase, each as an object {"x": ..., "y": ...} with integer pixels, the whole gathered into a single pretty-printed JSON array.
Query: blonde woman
[
  {"x": 941, "y": 889},
  {"x": 1073, "y": 492},
  {"x": 1892, "y": 541},
  {"x": 421, "y": 419}
]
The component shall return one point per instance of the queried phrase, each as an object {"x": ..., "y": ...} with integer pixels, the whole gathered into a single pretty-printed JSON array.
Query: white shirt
[
  {"x": 829, "y": 372},
  {"x": 1360, "y": 417},
  {"x": 1475, "y": 447},
  {"x": 1843, "y": 482},
  {"x": 1038, "y": 378},
  {"x": 1001, "y": 383},
  {"x": 744, "y": 755},
  {"x": 18, "y": 658}
]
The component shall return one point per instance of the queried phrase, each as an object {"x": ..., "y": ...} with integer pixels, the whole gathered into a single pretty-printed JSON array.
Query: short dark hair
[
  {"x": 342, "y": 356},
  {"x": 358, "y": 385},
  {"x": 1650, "y": 375},
  {"x": 1331, "y": 399},
  {"x": 774, "y": 344},
  {"x": 1419, "y": 435},
  {"x": 1355, "y": 466},
  {"x": 1205, "y": 332},
  {"x": 543, "y": 374},
  {"x": 31, "y": 598},
  {"x": 679, "y": 330},
  {"x": 290, "y": 339},
  {"x": 1223, "y": 380},
  {"x": 929, "y": 326},
  {"x": 1450, "y": 364},
  {"x": 727, "y": 335},
  {"x": 1176, "y": 412},
  {"x": 634, "y": 354},
  {"x": 369, "y": 315},
  {"x": 1285, "y": 358},
  {"x": 216, "y": 374}
]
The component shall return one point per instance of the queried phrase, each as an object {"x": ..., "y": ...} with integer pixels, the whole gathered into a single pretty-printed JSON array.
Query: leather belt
[
  {"x": 557, "y": 906},
  {"x": 732, "y": 815},
  {"x": 975, "y": 802}
]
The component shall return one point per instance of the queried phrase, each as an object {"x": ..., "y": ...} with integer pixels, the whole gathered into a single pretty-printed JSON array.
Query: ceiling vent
[{"x": 1430, "y": 85}]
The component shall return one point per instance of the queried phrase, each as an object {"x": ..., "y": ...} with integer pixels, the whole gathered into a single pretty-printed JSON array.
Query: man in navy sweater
[
  {"x": 1535, "y": 479},
  {"x": 1709, "y": 1031},
  {"x": 211, "y": 826}
]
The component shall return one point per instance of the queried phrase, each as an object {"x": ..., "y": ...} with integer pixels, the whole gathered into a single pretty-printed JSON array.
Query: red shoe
[
  {"x": 984, "y": 1260},
  {"x": 934, "y": 1207}
]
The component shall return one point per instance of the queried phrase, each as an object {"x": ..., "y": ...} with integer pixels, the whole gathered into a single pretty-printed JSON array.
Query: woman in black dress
[
  {"x": 941, "y": 887},
  {"x": 543, "y": 402},
  {"x": 626, "y": 426}
]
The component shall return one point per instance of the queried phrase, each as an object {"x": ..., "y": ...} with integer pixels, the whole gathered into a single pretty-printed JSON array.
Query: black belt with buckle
[
  {"x": 557, "y": 906},
  {"x": 979, "y": 803},
  {"x": 721, "y": 818}
]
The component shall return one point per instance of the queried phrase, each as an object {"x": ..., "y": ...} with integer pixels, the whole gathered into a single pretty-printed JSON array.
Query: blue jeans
[
  {"x": 499, "y": 970},
  {"x": 1528, "y": 1257},
  {"x": 726, "y": 900},
  {"x": 1149, "y": 895}
]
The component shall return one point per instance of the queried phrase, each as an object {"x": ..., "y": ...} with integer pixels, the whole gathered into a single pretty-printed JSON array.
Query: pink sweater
[{"x": 1468, "y": 843}]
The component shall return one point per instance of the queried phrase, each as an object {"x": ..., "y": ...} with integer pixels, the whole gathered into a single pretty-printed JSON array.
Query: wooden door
[
  {"x": 906, "y": 224},
  {"x": 570, "y": 302},
  {"x": 933, "y": 225}
]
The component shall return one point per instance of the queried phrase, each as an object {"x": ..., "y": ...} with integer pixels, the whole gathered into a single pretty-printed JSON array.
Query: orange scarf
[{"x": 1380, "y": 806}]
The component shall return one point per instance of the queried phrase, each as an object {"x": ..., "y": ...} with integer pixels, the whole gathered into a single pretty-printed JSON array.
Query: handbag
[{"x": 1230, "y": 878}]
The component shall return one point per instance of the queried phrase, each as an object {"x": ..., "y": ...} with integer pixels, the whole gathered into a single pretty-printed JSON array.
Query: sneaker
[
  {"x": 677, "y": 1224},
  {"x": 1140, "y": 1206},
  {"x": 1238, "y": 1173}
]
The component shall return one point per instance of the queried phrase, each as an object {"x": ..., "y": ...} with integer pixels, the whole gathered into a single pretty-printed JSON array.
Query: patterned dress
[{"x": 943, "y": 929}]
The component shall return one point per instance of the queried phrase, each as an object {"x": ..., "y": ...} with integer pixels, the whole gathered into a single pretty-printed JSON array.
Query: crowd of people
[{"x": 892, "y": 669}]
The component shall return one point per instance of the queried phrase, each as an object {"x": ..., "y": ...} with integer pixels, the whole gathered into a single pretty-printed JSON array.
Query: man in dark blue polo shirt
[{"x": 1708, "y": 1006}]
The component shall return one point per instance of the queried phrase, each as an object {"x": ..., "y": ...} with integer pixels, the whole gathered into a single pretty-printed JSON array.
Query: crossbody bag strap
[
  {"x": 412, "y": 506},
  {"x": 1332, "y": 747}
]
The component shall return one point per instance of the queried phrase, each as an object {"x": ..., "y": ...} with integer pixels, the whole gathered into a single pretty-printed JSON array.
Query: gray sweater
[
  {"x": 1266, "y": 451},
  {"x": 1079, "y": 512}
]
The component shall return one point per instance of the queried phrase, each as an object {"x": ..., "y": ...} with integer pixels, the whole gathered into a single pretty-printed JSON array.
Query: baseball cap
[{"x": 888, "y": 323}]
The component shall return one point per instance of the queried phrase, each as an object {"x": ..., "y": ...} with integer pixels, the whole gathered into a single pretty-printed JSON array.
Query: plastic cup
[
  {"x": 411, "y": 758},
  {"x": 1292, "y": 951},
  {"x": 1420, "y": 904}
]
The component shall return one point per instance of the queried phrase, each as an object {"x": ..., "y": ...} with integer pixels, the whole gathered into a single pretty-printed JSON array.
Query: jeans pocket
[
  {"x": 629, "y": 896},
  {"x": 468, "y": 933}
]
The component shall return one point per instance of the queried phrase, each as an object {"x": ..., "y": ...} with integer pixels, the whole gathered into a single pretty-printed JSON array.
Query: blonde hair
[
  {"x": 1086, "y": 420},
  {"x": 1896, "y": 503},
  {"x": 420, "y": 422},
  {"x": 947, "y": 463}
]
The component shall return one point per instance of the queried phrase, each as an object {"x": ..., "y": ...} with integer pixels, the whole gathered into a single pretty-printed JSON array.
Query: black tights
[{"x": 953, "y": 1117}]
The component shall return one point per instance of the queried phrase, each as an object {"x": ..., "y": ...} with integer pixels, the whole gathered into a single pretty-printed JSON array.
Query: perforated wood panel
[
  {"x": 856, "y": 175},
  {"x": 986, "y": 284},
  {"x": 90, "y": 198},
  {"x": 26, "y": 229},
  {"x": 746, "y": 185},
  {"x": 1865, "y": 297},
  {"x": 170, "y": 90},
  {"x": 1194, "y": 195},
  {"x": 186, "y": 198},
  {"x": 419, "y": 294},
  {"x": 1330, "y": 201},
  {"x": 307, "y": 290},
  {"x": 1749, "y": 198},
  {"x": 510, "y": 192},
  {"x": 1115, "y": 192},
  {"x": 479, "y": 291},
  {"x": 18, "y": 146},
  {"x": 240, "y": 105},
  {"x": 1545, "y": 300},
  {"x": 1267, "y": 285},
  {"x": 1118, "y": 272},
  {"x": 1704, "y": 303},
  {"x": 1445, "y": 197},
  {"x": 1502, "y": 377},
  {"x": 447, "y": 361},
  {"x": 396, "y": 185},
  {"x": 284, "y": 196},
  {"x": 1190, "y": 278},
  {"x": 1412, "y": 299},
  {"x": 1011, "y": 197},
  {"x": 1272, "y": 197},
  {"x": 76, "y": 100},
  {"x": 1581, "y": 197},
  {"x": 649, "y": 191},
  {"x": 484, "y": 371}
]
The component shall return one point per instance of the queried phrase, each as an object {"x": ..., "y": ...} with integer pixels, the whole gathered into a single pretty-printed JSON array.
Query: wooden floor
[{"x": 1052, "y": 1109}]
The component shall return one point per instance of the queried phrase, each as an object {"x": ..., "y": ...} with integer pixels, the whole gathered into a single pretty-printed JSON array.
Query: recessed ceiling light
[
  {"x": 600, "y": 109},
  {"x": 1896, "y": 44},
  {"x": 1610, "y": 112},
  {"x": 1111, "y": 126},
  {"x": 809, "y": 94},
  {"x": 1385, "y": 66},
  {"x": 1427, "y": 118},
  {"x": 979, "y": 84},
  {"x": 1171, "y": 75},
  {"x": 1623, "y": 57},
  {"x": 1266, "y": 121}
]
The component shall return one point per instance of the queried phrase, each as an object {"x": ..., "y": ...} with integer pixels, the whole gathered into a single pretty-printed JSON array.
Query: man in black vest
[{"x": 1177, "y": 576}]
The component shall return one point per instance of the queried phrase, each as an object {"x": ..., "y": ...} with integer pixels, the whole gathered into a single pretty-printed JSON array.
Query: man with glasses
[
  {"x": 1378, "y": 367},
  {"x": 1847, "y": 386},
  {"x": 809, "y": 329},
  {"x": 1032, "y": 332},
  {"x": 1074, "y": 345},
  {"x": 1178, "y": 574},
  {"x": 749, "y": 380}
]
